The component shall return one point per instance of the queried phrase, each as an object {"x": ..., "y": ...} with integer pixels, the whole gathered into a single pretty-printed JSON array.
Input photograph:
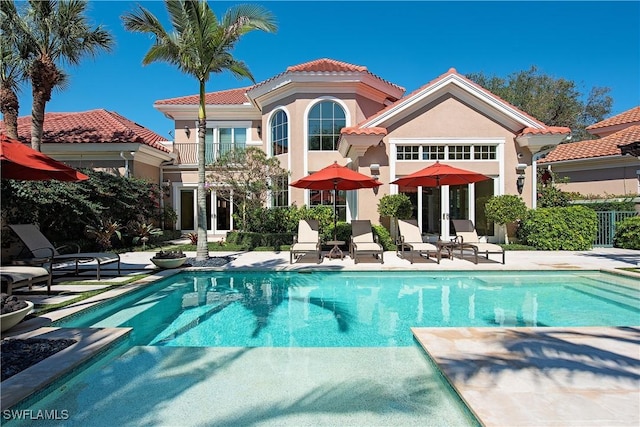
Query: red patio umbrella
[
  {"x": 440, "y": 174},
  {"x": 19, "y": 161},
  {"x": 336, "y": 177}
]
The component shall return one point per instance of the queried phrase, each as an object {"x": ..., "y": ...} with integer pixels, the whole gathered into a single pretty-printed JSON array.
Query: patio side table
[{"x": 335, "y": 251}]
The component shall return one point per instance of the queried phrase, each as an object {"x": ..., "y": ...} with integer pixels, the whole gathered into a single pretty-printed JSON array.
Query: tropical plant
[
  {"x": 142, "y": 232},
  {"x": 48, "y": 33},
  {"x": 103, "y": 231},
  {"x": 200, "y": 45},
  {"x": 13, "y": 70},
  {"x": 505, "y": 209}
]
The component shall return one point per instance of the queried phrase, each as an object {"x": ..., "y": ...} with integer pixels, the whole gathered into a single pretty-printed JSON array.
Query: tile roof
[
  {"x": 94, "y": 126},
  {"x": 549, "y": 130},
  {"x": 224, "y": 97},
  {"x": 629, "y": 116},
  {"x": 238, "y": 96},
  {"x": 606, "y": 146},
  {"x": 354, "y": 130}
]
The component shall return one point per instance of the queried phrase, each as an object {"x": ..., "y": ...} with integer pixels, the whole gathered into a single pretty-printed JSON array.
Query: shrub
[
  {"x": 384, "y": 237},
  {"x": 395, "y": 206},
  {"x": 571, "y": 228},
  {"x": 249, "y": 240},
  {"x": 505, "y": 209},
  {"x": 628, "y": 233}
]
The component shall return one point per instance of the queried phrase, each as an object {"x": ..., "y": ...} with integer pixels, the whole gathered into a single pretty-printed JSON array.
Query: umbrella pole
[{"x": 335, "y": 209}]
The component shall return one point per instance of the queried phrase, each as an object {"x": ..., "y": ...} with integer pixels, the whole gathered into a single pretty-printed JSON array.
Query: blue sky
[{"x": 407, "y": 43}]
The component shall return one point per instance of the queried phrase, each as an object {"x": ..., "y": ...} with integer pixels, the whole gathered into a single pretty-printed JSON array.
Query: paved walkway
[{"x": 507, "y": 376}]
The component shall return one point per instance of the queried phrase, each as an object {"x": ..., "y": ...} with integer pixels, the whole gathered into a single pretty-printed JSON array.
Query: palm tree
[
  {"x": 53, "y": 32},
  {"x": 198, "y": 46},
  {"x": 12, "y": 71}
]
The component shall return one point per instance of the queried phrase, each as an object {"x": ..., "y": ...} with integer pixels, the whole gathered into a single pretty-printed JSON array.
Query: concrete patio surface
[{"x": 507, "y": 376}]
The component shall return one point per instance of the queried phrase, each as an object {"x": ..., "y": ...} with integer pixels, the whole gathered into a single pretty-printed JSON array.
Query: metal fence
[{"x": 607, "y": 226}]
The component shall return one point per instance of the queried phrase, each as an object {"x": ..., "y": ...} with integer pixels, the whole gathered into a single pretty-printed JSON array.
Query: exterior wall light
[
  {"x": 187, "y": 131},
  {"x": 520, "y": 168},
  {"x": 375, "y": 170}
]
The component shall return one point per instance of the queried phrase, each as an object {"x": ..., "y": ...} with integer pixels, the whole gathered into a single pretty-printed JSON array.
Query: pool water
[
  {"x": 357, "y": 309},
  {"x": 325, "y": 348}
]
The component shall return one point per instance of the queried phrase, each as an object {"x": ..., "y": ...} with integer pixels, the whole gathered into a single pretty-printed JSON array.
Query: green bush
[
  {"x": 384, "y": 237},
  {"x": 628, "y": 233},
  {"x": 64, "y": 209},
  {"x": 395, "y": 206},
  {"x": 570, "y": 228}
]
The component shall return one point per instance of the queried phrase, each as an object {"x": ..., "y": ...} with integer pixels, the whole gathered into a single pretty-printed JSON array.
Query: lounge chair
[
  {"x": 307, "y": 241},
  {"x": 15, "y": 276},
  {"x": 410, "y": 240},
  {"x": 467, "y": 238},
  {"x": 41, "y": 247},
  {"x": 363, "y": 241}
]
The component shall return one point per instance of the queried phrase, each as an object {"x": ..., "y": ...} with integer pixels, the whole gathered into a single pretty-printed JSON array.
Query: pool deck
[{"x": 507, "y": 376}]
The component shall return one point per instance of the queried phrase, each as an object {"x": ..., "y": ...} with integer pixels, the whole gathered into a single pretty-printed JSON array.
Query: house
[
  {"x": 101, "y": 140},
  {"x": 608, "y": 165},
  {"x": 325, "y": 110}
]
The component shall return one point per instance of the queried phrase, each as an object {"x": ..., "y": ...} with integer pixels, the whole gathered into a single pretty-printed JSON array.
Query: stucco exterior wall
[{"x": 619, "y": 179}]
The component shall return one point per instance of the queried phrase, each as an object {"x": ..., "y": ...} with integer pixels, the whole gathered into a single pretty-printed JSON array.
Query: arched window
[
  {"x": 279, "y": 133},
  {"x": 325, "y": 121}
]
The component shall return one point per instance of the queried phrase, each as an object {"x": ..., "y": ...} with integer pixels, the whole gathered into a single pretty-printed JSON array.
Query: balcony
[{"x": 188, "y": 152}]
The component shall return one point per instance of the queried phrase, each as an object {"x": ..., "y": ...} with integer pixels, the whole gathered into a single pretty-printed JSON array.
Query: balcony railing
[{"x": 188, "y": 152}]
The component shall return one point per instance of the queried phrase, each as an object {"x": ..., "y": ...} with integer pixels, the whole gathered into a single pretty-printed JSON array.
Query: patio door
[
  {"x": 219, "y": 211},
  {"x": 439, "y": 205}
]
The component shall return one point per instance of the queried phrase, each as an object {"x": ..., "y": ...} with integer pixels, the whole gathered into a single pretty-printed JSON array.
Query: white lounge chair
[
  {"x": 15, "y": 276},
  {"x": 410, "y": 240},
  {"x": 307, "y": 241},
  {"x": 363, "y": 241},
  {"x": 41, "y": 247},
  {"x": 467, "y": 238}
]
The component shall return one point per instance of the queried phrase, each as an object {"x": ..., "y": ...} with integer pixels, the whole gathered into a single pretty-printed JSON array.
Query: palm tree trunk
[
  {"x": 44, "y": 76},
  {"x": 9, "y": 109},
  {"x": 202, "y": 248}
]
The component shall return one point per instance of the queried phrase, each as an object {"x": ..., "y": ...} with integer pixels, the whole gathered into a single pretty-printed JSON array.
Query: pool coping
[
  {"x": 541, "y": 376},
  {"x": 91, "y": 343}
]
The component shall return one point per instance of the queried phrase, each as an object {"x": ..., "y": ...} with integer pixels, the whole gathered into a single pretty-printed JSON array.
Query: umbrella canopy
[
  {"x": 440, "y": 174},
  {"x": 336, "y": 177},
  {"x": 20, "y": 161}
]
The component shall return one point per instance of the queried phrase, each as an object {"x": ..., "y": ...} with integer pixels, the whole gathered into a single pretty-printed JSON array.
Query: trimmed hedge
[
  {"x": 628, "y": 233},
  {"x": 571, "y": 228}
]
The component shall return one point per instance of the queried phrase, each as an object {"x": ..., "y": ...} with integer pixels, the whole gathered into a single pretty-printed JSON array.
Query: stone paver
[{"x": 542, "y": 376}]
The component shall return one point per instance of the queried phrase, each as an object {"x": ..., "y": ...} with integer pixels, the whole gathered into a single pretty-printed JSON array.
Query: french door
[{"x": 219, "y": 211}]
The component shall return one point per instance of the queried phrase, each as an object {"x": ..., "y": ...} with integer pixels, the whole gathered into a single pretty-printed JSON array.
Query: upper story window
[
  {"x": 279, "y": 133},
  {"x": 280, "y": 191},
  {"x": 221, "y": 140},
  {"x": 449, "y": 151},
  {"x": 325, "y": 121}
]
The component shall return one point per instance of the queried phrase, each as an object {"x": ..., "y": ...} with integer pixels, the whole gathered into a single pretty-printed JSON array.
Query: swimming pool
[{"x": 323, "y": 348}]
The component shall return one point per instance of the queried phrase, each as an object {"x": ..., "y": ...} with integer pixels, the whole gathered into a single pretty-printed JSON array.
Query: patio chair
[
  {"x": 363, "y": 241},
  {"x": 307, "y": 241},
  {"x": 42, "y": 250},
  {"x": 467, "y": 238},
  {"x": 410, "y": 240},
  {"x": 15, "y": 276}
]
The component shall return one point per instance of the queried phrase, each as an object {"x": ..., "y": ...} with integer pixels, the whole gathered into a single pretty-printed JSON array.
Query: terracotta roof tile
[
  {"x": 629, "y": 116},
  {"x": 326, "y": 65},
  {"x": 223, "y": 97},
  {"x": 549, "y": 130},
  {"x": 353, "y": 130},
  {"x": 94, "y": 126},
  {"x": 606, "y": 146}
]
